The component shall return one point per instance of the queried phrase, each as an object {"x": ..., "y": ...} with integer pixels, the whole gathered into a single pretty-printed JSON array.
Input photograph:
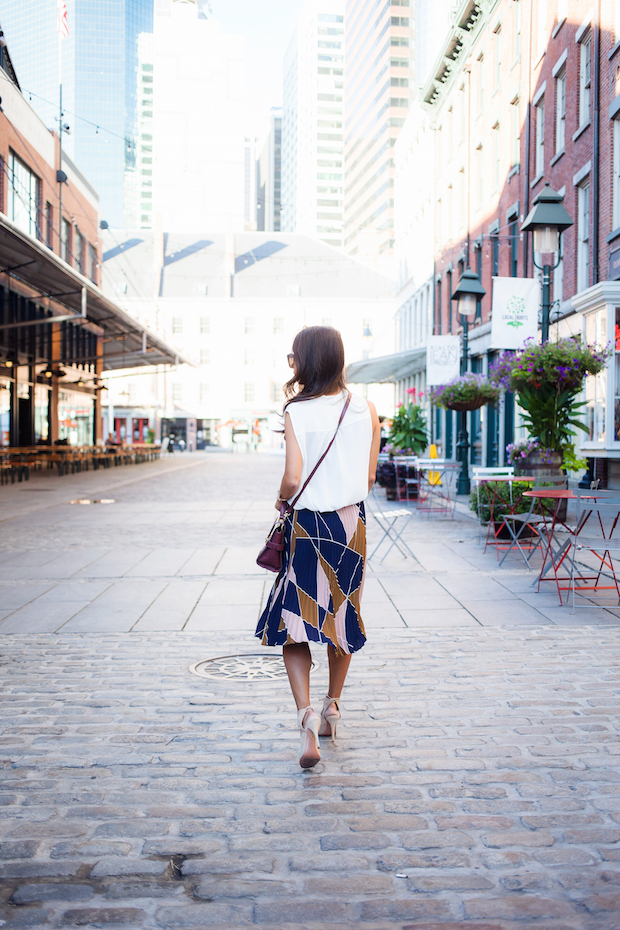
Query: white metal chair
[
  {"x": 392, "y": 522},
  {"x": 478, "y": 476},
  {"x": 438, "y": 486}
]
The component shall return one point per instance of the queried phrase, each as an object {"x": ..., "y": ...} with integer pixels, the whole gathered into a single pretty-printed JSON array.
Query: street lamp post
[
  {"x": 468, "y": 293},
  {"x": 547, "y": 220}
]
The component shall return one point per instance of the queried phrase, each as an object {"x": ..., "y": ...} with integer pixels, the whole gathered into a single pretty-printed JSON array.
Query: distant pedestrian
[{"x": 316, "y": 596}]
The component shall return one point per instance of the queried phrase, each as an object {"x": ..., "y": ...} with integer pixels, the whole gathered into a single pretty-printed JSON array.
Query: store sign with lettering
[
  {"x": 442, "y": 359},
  {"x": 514, "y": 314}
]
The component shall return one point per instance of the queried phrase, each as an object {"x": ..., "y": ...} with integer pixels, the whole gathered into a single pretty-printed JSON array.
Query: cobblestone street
[{"x": 474, "y": 782}]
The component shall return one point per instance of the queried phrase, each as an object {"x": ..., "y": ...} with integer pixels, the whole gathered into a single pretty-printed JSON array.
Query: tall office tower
[
  {"x": 431, "y": 26},
  {"x": 312, "y": 146},
  {"x": 269, "y": 181},
  {"x": 99, "y": 67},
  {"x": 378, "y": 87},
  {"x": 198, "y": 133},
  {"x": 250, "y": 183}
]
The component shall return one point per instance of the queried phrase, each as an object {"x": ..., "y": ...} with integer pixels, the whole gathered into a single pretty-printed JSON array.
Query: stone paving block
[
  {"x": 116, "y": 563},
  {"x": 23, "y": 917},
  {"x": 71, "y": 561},
  {"x": 14, "y": 596},
  {"x": 162, "y": 562},
  {"x": 231, "y": 617},
  {"x": 60, "y": 891},
  {"x": 204, "y": 915},
  {"x": 220, "y": 592},
  {"x": 437, "y": 619},
  {"x": 519, "y": 907},
  {"x": 172, "y": 608},
  {"x": 203, "y": 561},
  {"x": 103, "y": 916}
]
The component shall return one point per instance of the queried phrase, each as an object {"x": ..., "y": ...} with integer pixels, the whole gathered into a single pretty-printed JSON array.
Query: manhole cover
[
  {"x": 242, "y": 667},
  {"x": 101, "y": 500}
]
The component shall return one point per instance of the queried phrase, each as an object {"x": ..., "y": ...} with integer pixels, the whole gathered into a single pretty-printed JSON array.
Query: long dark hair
[{"x": 319, "y": 364}]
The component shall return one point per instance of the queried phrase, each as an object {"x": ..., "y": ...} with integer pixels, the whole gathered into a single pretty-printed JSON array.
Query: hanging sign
[
  {"x": 442, "y": 359},
  {"x": 514, "y": 317}
]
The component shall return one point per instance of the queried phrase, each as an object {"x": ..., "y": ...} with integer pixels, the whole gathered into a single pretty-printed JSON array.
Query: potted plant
[
  {"x": 530, "y": 458},
  {"x": 547, "y": 380},
  {"x": 409, "y": 432},
  {"x": 408, "y": 436},
  {"x": 467, "y": 392}
]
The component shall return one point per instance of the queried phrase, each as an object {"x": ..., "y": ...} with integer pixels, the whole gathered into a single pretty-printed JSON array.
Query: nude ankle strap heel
[
  {"x": 309, "y": 750},
  {"x": 329, "y": 722}
]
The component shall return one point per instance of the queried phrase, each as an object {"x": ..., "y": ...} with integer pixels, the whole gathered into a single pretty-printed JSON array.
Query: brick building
[
  {"x": 521, "y": 94},
  {"x": 58, "y": 333}
]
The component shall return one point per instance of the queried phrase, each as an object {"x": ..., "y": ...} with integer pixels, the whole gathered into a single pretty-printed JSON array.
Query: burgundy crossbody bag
[{"x": 271, "y": 555}]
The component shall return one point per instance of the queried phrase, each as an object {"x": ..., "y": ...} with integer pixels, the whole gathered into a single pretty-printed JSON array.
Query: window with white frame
[
  {"x": 249, "y": 357},
  {"x": 23, "y": 196},
  {"x": 204, "y": 392},
  {"x": 462, "y": 198},
  {"x": 558, "y": 275},
  {"x": 496, "y": 157},
  {"x": 516, "y": 28},
  {"x": 583, "y": 235},
  {"x": 515, "y": 130},
  {"x": 616, "y": 174},
  {"x": 497, "y": 43},
  {"x": 278, "y": 325},
  {"x": 542, "y": 26},
  {"x": 177, "y": 391},
  {"x": 562, "y": 12},
  {"x": 540, "y": 137},
  {"x": 560, "y": 112},
  {"x": 596, "y": 385},
  {"x": 479, "y": 177},
  {"x": 585, "y": 78},
  {"x": 177, "y": 325},
  {"x": 249, "y": 325},
  {"x": 249, "y": 392},
  {"x": 205, "y": 325},
  {"x": 480, "y": 70},
  {"x": 205, "y": 356}
]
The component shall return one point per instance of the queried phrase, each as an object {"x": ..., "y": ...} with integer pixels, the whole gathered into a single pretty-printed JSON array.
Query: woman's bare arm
[
  {"x": 374, "y": 448},
  {"x": 293, "y": 464}
]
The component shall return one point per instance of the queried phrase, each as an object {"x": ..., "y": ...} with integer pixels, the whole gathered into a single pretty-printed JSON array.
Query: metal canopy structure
[
  {"x": 387, "y": 368},
  {"x": 46, "y": 279}
]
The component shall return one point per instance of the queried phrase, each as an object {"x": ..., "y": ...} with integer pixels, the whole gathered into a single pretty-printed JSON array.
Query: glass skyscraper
[{"x": 99, "y": 81}]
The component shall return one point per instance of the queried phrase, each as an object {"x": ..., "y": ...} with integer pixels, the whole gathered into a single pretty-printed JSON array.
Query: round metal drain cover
[
  {"x": 86, "y": 500},
  {"x": 242, "y": 667}
]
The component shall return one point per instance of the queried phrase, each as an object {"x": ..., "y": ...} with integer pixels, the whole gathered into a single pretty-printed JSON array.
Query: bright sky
[{"x": 267, "y": 26}]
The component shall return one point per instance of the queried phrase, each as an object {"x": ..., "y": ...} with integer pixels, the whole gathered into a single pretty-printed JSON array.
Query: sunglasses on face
[{"x": 290, "y": 359}]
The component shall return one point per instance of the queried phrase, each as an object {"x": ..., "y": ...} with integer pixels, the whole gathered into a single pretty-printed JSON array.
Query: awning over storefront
[
  {"x": 387, "y": 368},
  {"x": 29, "y": 267}
]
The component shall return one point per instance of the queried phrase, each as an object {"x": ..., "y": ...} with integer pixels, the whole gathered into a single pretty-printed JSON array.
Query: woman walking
[{"x": 316, "y": 596}]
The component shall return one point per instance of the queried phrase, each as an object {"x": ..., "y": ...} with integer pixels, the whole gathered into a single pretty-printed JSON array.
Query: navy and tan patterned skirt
[{"x": 316, "y": 596}]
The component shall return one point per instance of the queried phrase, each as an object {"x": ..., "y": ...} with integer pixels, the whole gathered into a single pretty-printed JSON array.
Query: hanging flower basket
[{"x": 467, "y": 392}]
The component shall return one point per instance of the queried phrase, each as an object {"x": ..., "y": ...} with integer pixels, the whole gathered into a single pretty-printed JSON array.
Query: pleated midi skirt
[{"x": 316, "y": 597}]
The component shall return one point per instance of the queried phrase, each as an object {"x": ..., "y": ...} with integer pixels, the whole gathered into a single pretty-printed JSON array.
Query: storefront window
[
  {"x": 75, "y": 418},
  {"x": 617, "y": 376},
  {"x": 596, "y": 385},
  {"x": 5, "y": 413},
  {"x": 41, "y": 414}
]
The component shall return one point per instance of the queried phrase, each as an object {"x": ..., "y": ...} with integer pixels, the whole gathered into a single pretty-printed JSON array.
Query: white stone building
[{"x": 232, "y": 304}]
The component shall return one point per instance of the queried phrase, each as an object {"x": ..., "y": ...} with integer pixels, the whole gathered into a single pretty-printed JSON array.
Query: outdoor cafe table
[
  {"x": 506, "y": 506},
  {"x": 554, "y": 554}
]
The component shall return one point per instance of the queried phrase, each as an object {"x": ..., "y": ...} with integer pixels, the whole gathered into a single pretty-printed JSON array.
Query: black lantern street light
[
  {"x": 547, "y": 220},
  {"x": 469, "y": 292}
]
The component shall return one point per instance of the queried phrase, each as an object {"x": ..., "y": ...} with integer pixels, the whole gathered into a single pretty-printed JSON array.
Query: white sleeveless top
[{"x": 342, "y": 476}]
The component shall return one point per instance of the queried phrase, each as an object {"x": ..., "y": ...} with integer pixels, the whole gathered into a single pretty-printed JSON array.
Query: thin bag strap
[{"x": 311, "y": 475}]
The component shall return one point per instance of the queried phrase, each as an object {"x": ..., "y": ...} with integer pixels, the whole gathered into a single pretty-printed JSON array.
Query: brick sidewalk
[{"x": 474, "y": 782}]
